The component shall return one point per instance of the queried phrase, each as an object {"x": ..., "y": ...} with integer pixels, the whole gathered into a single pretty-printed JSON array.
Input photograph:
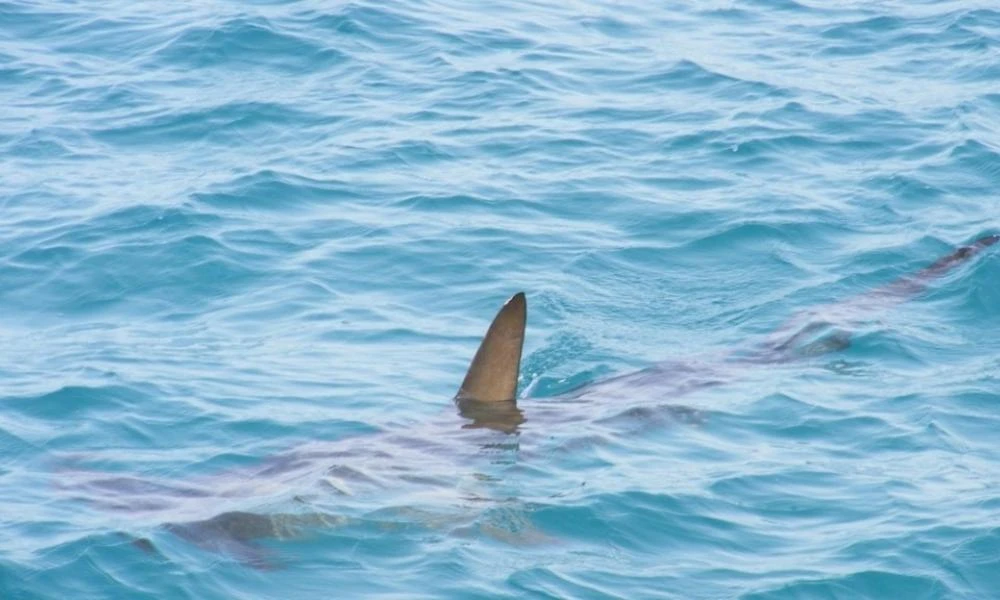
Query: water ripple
[{"x": 247, "y": 250}]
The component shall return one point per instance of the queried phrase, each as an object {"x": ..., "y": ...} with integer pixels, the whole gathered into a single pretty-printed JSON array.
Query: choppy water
[{"x": 228, "y": 230}]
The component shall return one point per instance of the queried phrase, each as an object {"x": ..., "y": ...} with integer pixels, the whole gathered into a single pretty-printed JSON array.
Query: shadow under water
[{"x": 454, "y": 461}]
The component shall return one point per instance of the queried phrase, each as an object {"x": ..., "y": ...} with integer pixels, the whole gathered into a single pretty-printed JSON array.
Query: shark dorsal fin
[{"x": 492, "y": 376}]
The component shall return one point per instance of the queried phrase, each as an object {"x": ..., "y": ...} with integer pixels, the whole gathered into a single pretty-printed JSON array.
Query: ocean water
[{"x": 247, "y": 250}]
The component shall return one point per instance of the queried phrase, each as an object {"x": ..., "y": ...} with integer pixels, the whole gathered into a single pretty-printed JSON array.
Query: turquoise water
[{"x": 235, "y": 231}]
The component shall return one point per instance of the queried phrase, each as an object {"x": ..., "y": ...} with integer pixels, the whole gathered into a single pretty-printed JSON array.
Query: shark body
[{"x": 219, "y": 513}]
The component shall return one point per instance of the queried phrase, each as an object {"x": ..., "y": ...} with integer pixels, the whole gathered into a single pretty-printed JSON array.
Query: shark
[{"x": 331, "y": 480}]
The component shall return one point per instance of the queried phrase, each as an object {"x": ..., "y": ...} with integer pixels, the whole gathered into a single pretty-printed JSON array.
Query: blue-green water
[{"x": 230, "y": 231}]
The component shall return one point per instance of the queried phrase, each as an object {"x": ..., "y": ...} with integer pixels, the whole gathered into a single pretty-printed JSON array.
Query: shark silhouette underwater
[{"x": 428, "y": 462}]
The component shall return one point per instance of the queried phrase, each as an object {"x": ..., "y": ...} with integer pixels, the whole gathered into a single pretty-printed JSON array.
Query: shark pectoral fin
[{"x": 492, "y": 376}]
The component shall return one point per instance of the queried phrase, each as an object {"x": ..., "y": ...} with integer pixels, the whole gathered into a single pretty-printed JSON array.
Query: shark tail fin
[{"x": 492, "y": 376}]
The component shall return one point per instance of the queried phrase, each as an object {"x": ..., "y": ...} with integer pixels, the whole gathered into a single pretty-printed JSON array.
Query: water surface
[{"x": 231, "y": 230}]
